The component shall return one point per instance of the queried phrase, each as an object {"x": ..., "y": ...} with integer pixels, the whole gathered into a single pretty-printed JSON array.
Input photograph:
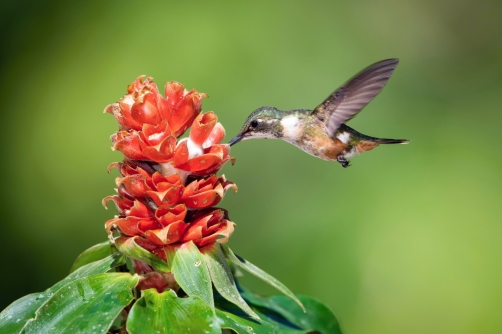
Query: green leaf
[
  {"x": 222, "y": 278},
  {"x": 317, "y": 318},
  {"x": 164, "y": 313},
  {"x": 95, "y": 253},
  {"x": 187, "y": 265},
  {"x": 251, "y": 268},
  {"x": 271, "y": 319},
  {"x": 130, "y": 248},
  {"x": 86, "y": 305},
  {"x": 245, "y": 326},
  {"x": 14, "y": 317}
]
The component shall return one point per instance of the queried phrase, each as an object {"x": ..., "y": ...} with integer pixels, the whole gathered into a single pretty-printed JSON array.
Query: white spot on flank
[
  {"x": 351, "y": 153},
  {"x": 290, "y": 129},
  {"x": 344, "y": 137}
]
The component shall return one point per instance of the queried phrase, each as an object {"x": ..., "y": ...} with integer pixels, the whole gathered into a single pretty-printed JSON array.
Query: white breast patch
[{"x": 290, "y": 129}]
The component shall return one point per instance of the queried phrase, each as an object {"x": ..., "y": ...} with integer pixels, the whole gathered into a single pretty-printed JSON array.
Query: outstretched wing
[{"x": 355, "y": 94}]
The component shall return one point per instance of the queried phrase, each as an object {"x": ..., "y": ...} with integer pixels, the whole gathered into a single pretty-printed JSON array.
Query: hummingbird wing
[{"x": 345, "y": 102}]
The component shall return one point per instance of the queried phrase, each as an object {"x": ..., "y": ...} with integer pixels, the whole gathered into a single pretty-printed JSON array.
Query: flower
[
  {"x": 150, "y": 124},
  {"x": 208, "y": 226},
  {"x": 168, "y": 188}
]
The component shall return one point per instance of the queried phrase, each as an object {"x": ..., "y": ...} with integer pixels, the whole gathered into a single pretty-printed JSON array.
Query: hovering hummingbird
[{"x": 322, "y": 132}]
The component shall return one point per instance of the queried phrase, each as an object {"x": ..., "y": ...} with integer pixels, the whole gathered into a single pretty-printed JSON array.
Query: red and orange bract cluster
[{"x": 168, "y": 189}]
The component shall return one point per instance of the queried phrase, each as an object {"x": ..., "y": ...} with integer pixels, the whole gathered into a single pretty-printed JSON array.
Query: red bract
[
  {"x": 208, "y": 226},
  {"x": 167, "y": 188}
]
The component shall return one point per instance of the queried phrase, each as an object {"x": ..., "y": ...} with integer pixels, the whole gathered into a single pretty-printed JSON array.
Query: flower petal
[
  {"x": 186, "y": 111},
  {"x": 122, "y": 114},
  {"x": 202, "y": 127},
  {"x": 200, "y": 163},
  {"x": 203, "y": 200},
  {"x": 167, "y": 235},
  {"x": 215, "y": 137},
  {"x": 163, "y": 152},
  {"x": 181, "y": 154},
  {"x": 154, "y": 134},
  {"x": 135, "y": 185},
  {"x": 145, "y": 110},
  {"x": 169, "y": 214},
  {"x": 128, "y": 144}
]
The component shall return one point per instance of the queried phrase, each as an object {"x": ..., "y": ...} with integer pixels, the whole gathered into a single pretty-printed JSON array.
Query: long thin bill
[{"x": 235, "y": 140}]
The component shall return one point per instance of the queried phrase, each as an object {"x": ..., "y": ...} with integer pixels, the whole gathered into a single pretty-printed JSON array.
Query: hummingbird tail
[
  {"x": 369, "y": 143},
  {"x": 391, "y": 141}
]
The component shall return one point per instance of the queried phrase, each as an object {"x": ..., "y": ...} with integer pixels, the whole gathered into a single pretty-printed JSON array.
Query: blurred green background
[{"x": 407, "y": 240}]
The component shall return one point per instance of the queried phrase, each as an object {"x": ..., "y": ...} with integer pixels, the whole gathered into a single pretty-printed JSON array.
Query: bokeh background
[{"x": 407, "y": 240}]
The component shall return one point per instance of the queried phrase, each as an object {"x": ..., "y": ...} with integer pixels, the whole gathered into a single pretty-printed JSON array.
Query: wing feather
[{"x": 344, "y": 103}]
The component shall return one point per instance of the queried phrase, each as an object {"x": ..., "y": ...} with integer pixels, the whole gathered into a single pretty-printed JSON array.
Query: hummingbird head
[{"x": 264, "y": 122}]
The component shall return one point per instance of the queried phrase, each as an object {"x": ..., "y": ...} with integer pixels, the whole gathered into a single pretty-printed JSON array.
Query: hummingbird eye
[{"x": 253, "y": 124}]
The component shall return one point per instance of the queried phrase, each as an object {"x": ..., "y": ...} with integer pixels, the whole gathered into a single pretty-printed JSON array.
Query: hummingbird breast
[{"x": 310, "y": 136}]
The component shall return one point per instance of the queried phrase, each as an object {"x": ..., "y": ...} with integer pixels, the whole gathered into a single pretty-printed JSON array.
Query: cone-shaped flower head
[{"x": 168, "y": 188}]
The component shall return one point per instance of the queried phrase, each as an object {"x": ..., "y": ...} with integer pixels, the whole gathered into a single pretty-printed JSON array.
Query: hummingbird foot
[{"x": 341, "y": 159}]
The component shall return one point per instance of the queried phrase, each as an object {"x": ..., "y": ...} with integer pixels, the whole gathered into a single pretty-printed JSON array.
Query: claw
[{"x": 341, "y": 159}]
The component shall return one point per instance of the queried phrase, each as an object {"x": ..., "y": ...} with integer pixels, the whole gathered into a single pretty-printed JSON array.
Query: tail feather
[
  {"x": 361, "y": 137},
  {"x": 390, "y": 141}
]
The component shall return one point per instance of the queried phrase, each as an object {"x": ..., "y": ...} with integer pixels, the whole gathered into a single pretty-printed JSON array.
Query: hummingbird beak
[{"x": 236, "y": 139}]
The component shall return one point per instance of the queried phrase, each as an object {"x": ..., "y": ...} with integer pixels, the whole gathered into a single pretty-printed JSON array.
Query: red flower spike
[
  {"x": 202, "y": 127},
  {"x": 156, "y": 207}
]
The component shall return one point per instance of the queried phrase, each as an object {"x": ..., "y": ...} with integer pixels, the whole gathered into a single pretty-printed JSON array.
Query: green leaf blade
[
  {"x": 187, "y": 265},
  {"x": 15, "y": 316},
  {"x": 245, "y": 326},
  {"x": 317, "y": 317},
  {"x": 223, "y": 279},
  {"x": 86, "y": 305},
  {"x": 130, "y": 248},
  {"x": 165, "y": 313},
  {"x": 252, "y": 269},
  {"x": 92, "y": 254}
]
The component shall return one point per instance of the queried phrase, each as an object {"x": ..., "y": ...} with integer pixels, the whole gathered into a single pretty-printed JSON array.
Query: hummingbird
[{"x": 322, "y": 132}]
